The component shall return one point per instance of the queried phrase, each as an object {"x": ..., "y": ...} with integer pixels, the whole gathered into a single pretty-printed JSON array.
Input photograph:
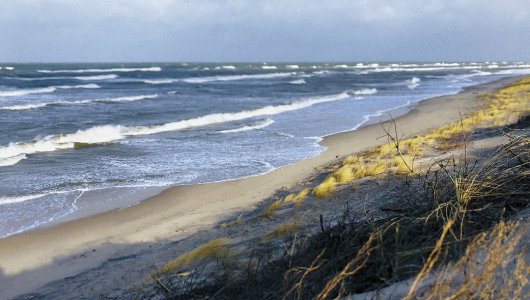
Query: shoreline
[{"x": 33, "y": 258}]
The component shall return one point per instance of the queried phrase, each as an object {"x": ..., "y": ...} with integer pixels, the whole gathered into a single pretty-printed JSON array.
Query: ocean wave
[
  {"x": 229, "y": 67},
  {"x": 110, "y": 133},
  {"x": 9, "y": 161},
  {"x": 79, "y": 102},
  {"x": 340, "y": 66},
  {"x": 7, "y": 68},
  {"x": 258, "y": 125},
  {"x": 292, "y": 66},
  {"x": 413, "y": 83},
  {"x": 298, "y": 81},
  {"x": 22, "y": 92},
  {"x": 18, "y": 199},
  {"x": 236, "y": 77},
  {"x": 363, "y": 92},
  {"x": 97, "y": 77},
  {"x": 160, "y": 81},
  {"x": 268, "y": 67},
  {"x": 151, "y": 69},
  {"x": 80, "y": 86}
]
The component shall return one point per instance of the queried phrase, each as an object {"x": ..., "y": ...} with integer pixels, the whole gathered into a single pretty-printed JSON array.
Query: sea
[{"x": 81, "y": 139}]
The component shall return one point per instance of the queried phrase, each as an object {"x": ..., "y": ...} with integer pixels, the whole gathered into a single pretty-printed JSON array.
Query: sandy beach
[{"x": 33, "y": 259}]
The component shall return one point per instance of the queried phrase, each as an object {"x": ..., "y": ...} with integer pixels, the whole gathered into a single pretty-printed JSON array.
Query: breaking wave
[
  {"x": 78, "y": 102},
  {"x": 110, "y": 133},
  {"x": 236, "y": 77},
  {"x": 298, "y": 81},
  {"x": 363, "y": 92},
  {"x": 22, "y": 92},
  {"x": 256, "y": 126},
  {"x": 151, "y": 69},
  {"x": 97, "y": 77},
  {"x": 413, "y": 83}
]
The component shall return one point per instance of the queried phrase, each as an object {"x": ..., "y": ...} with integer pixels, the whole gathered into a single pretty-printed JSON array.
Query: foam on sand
[
  {"x": 259, "y": 125},
  {"x": 110, "y": 133},
  {"x": 151, "y": 69}
]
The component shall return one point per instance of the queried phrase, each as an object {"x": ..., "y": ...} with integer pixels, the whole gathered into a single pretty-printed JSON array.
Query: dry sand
[{"x": 30, "y": 260}]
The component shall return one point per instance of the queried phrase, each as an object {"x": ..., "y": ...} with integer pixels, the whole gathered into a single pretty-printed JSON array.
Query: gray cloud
[{"x": 261, "y": 30}]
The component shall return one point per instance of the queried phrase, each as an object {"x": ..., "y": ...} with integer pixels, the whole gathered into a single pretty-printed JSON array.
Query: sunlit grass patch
[
  {"x": 403, "y": 164},
  {"x": 375, "y": 169},
  {"x": 324, "y": 189},
  {"x": 214, "y": 249},
  {"x": 271, "y": 208},
  {"x": 297, "y": 198}
]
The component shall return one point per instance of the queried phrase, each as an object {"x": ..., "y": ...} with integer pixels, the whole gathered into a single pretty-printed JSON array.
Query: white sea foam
[
  {"x": 268, "y": 67},
  {"x": 97, "y": 77},
  {"x": 23, "y": 106},
  {"x": 298, "y": 81},
  {"x": 8, "y": 68},
  {"x": 340, "y": 66},
  {"x": 363, "y": 92},
  {"x": 78, "y": 102},
  {"x": 160, "y": 81},
  {"x": 235, "y": 77},
  {"x": 228, "y": 67},
  {"x": 80, "y": 86},
  {"x": 110, "y": 133},
  {"x": 258, "y": 125},
  {"x": 151, "y": 69},
  {"x": 8, "y": 161},
  {"x": 413, "y": 83},
  {"x": 22, "y": 92},
  {"x": 18, "y": 199},
  {"x": 292, "y": 66}
]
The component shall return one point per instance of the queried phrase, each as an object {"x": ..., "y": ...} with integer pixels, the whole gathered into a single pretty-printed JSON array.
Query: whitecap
[
  {"x": 235, "y": 77},
  {"x": 8, "y": 161},
  {"x": 258, "y": 125},
  {"x": 292, "y": 66},
  {"x": 268, "y": 67},
  {"x": 22, "y": 92},
  {"x": 151, "y": 69},
  {"x": 340, "y": 66},
  {"x": 363, "y": 92},
  {"x": 228, "y": 67},
  {"x": 97, "y": 77},
  {"x": 78, "y": 102},
  {"x": 298, "y": 81},
  {"x": 111, "y": 133},
  {"x": 413, "y": 83}
]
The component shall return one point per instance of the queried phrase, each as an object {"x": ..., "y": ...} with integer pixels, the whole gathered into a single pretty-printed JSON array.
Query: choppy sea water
[{"x": 77, "y": 139}]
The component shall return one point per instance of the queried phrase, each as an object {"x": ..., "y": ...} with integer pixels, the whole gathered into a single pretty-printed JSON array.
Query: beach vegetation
[
  {"x": 272, "y": 208},
  {"x": 325, "y": 188},
  {"x": 282, "y": 230},
  {"x": 297, "y": 198},
  {"x": 215, "y": 249}
]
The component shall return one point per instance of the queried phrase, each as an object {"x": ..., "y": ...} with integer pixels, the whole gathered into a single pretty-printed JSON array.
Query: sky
[{"x": 264, "y": 30}]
